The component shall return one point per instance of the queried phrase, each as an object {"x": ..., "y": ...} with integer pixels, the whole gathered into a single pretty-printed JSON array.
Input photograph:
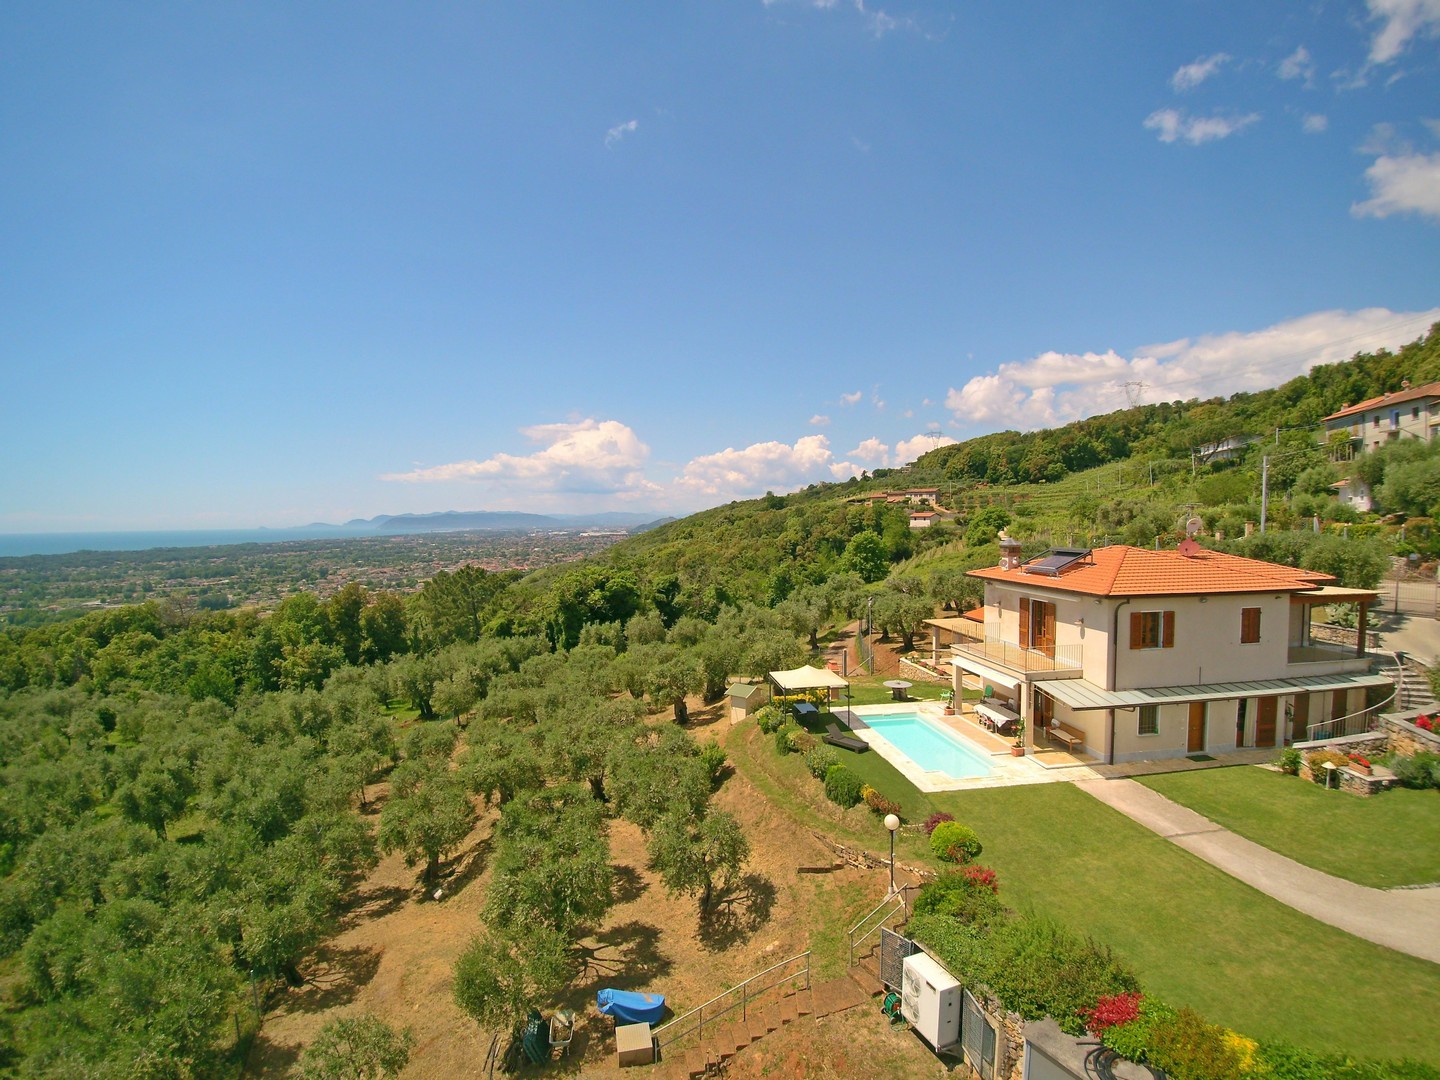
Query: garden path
[{"x": 1407, "y": 920}]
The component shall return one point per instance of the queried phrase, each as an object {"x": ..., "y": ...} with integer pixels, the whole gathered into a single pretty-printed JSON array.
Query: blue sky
[{"x": 272, "y": 263}]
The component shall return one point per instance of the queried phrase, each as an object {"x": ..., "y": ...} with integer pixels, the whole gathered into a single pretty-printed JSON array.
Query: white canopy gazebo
[{"x": 807, "y": 678}]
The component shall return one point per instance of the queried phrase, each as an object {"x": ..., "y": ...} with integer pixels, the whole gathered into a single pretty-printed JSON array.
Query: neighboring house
[
  {"x": 1352, "y": 491},
  {"x": 923, "y": 519},
  {"x": 928, "y": 496},
  {"x": 1129, "y": 654},
  {"x": 1230, "y": 449},
  {"x": 1411, "y": 413}
]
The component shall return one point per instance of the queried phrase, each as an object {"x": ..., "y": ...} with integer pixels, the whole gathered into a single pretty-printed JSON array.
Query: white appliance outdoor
[{"x": 930, "y": 1001}]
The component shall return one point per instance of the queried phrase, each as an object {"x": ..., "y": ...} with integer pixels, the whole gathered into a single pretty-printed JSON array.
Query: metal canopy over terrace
[{"x": 1082, "y": 695}]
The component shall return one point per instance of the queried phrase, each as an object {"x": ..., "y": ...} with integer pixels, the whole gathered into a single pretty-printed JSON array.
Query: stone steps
[{"x": 724, "y": 1041}]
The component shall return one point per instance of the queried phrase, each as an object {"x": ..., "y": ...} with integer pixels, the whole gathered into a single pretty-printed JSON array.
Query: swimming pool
[{"x": 928, "y": 745}]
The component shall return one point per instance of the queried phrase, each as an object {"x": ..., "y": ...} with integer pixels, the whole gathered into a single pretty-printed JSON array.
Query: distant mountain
[{"x": 484, "y": 521}]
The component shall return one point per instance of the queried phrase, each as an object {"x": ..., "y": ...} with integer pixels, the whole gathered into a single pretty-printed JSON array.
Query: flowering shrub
[
  {"x": 1363, "y": 762},
  {"x": 877, "y": 802},
  {"x": 981, "y": 877},
  {"x": 1317, "y": 760},
  {"x": 819, "y": 760},
  {"x": 935, "y": 819},
  {"x": 1111, "y": 1010},
  {"x": 1425, "y": 723},
  {"x": 954, "y": 842}
]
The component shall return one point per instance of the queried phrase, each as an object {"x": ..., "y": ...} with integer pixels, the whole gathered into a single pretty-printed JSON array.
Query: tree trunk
[
  {"x": 432, "y": 867},
  {"x": 597, "y": 787},
  {"x": 682, "y": 712},
  {"x": 705, "y": 896},
  {"x": 814, "y": 639}
]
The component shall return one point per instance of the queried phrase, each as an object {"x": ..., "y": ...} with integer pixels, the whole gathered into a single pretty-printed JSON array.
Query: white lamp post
[
  {"x": 892, "y": 823},
  {"x": 1329, "y": 772}
]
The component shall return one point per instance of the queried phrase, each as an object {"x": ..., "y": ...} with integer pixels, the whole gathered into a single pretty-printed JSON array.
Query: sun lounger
[{"x": 835, "y": 737}]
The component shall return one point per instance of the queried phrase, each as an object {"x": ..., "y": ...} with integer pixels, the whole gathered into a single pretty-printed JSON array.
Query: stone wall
[
  {"x": 1403, "y": 737},
  {"x": 1396, "y": 734}
]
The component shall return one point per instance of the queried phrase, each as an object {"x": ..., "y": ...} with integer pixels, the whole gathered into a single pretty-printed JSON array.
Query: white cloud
[
  {"x": 1298, "y": 65},
  {"x": 872, "y": 451},
  {"x": 1434, "y": 126},
  {"x": 587, "y": 456},
  {"x": 819, "y": 420},
  {"x": 1401, "y": 20},
  {"x": 619, "y": 131},
  {"x": 1193, "y": 74},
  {"x": 852, "y": 398},
  {"x": 907, "y": 450},
  {"x": 1314, "y": 123},
  {"x": 761, "y": 467},
  {"x": 1055, "y": 388},
  {"x": 1173, "y": 124},
  {"x": 1402, "y": 183}
]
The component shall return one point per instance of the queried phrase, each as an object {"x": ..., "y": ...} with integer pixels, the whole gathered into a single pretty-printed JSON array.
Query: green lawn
[
  {"x": 870, "y": 690},
  {"x": 1389, "y": 839},
  {"x": 1194, "y": 935}
]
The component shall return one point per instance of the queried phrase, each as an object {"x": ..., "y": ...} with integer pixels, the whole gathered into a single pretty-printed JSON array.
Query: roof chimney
[
  {"x": 1404, "y": 384},
  {"x": 1009, "y": 552}
]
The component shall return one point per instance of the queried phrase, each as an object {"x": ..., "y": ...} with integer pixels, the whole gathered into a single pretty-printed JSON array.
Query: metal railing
[
  {"x": 1018, "y": 658},
  {"x": 1357, "y": 723},
  {"x": 695, "y": 1020},
  {"x": 892, "y": 903}
]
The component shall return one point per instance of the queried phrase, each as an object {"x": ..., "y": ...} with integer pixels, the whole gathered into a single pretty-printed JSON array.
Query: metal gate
[
  {"x": 894, "y": 948},
  {"x": 977, "y": 1037}
]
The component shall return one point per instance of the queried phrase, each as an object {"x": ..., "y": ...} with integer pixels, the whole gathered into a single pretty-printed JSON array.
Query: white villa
[{"x": 1123, "y": 654}]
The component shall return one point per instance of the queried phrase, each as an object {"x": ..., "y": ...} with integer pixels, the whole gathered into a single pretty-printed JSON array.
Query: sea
[{"x": 19, "y": 544}]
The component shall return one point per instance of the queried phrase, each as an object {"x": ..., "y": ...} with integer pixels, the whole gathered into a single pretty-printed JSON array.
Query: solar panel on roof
[{"x": 1055, "y": 560}]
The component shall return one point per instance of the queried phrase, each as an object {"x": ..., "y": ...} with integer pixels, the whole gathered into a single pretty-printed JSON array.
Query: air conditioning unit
[{"x": 930, "y": 1001}]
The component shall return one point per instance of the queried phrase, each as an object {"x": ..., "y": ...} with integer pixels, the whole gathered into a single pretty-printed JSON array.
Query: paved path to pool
[{"x": 1407, "y": 920}]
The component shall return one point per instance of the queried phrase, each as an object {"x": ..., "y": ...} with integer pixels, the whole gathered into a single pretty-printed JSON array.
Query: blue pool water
[{"x": 929, "y": 746}]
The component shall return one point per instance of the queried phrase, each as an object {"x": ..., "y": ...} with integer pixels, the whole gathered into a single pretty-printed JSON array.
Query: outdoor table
[{"x": 898, "y": 688}]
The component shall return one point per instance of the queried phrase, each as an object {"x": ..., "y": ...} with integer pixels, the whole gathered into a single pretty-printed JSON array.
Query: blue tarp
[{"x": 631, "y": 1008}]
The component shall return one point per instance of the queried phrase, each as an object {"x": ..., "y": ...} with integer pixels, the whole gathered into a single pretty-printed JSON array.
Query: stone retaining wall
[{"x": 1396, "y": 734}]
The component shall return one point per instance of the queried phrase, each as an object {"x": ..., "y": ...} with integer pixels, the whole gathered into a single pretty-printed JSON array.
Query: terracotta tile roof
[
  {"x": 1120, "y": 570},
  {"x": 1428, "y": 390},
  {"x": 975, "y": 614}
]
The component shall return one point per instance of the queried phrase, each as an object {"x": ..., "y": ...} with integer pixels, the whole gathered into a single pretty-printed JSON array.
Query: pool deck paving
[{"x": 1406, "y": 920}]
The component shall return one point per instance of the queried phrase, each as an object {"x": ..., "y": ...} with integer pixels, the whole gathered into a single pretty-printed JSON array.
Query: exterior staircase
[
  {"x": 708, "y": 1058},
  {"x": 1414, "y": 687}
]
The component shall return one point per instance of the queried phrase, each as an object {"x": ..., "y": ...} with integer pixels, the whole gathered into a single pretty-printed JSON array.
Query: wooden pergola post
[{"x": 1360, "y": 628}]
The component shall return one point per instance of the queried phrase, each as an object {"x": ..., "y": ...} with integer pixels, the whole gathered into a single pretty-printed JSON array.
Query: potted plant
[
  {"x": 948, "y": 697},
  {"x": 1018, "y": 750}
]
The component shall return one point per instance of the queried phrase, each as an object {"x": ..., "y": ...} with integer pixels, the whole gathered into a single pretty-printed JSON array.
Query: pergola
[{"x": 807, "y": 678}]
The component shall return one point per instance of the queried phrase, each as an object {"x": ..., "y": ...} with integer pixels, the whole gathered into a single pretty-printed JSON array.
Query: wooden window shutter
[
  {"x": 1024, "y": 623},
  {"x": 1167, "y": 630},
  {"x": 1137, "y": 629},
  {"x": 1249, "y": 625}
]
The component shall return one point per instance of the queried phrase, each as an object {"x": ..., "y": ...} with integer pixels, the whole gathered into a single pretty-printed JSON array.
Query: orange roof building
[{"x": 1125, "y": 653}]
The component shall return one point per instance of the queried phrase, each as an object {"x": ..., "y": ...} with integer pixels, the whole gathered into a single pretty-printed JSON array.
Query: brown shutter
[
  {"x": 1167, "y": 630},
  {"x": 1024, "y": 623},
  {"x": 1249, "y": 625},
  {"x": 1137, "y": 621}
]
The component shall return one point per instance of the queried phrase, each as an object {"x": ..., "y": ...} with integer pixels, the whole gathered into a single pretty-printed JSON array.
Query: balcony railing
[
  {"x": 1318, "y": 652},
  {"x": 1017, "y": 658}
]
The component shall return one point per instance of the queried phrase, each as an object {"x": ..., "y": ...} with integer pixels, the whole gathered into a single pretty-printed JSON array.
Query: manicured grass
[
  {"x": 1194, "y": 935},
  {"x": 870, "y": 690},
  {"x": 1389, "y": 839},
  {"x": 874, "y": 770}
]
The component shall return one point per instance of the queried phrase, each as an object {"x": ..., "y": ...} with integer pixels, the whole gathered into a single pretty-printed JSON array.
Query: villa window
[
  {"x": 1249, "y": 625},
  {"x": 1149, "y": 719},
  {"x": 1152, "y": 629},
  {"x": 1394, "y": 418}
]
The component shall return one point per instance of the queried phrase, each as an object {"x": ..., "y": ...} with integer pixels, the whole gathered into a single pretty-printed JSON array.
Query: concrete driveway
[{"x": 1407, "y": 920}]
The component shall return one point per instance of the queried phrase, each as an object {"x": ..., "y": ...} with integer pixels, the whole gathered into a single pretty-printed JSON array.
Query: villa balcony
[
  {"x": 1061, "y": 661},
  {"x": 1337, "y": 657}
]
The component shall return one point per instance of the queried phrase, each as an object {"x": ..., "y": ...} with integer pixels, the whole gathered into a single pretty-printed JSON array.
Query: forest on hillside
[{"x": 184, "y": 792}]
